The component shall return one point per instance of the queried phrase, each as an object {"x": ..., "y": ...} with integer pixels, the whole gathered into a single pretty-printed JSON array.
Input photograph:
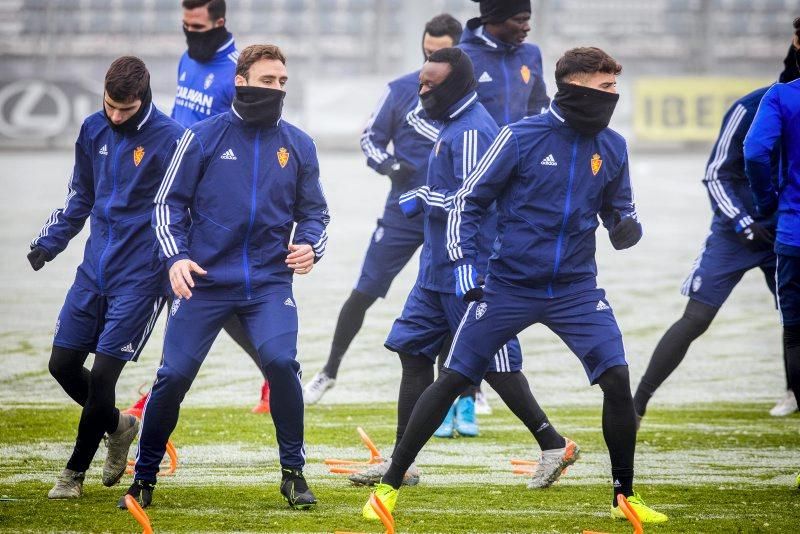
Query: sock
[
  {"x": 417, "y": 376},
  {"x": 514, "y": 390},
  {"x": 351, "y": 317},
  {"x": 66, "y": 366},
  {"x": 671, "y": 350},
  {"x": 619, "y": 427},
  {"x": 426, "y": 417}
]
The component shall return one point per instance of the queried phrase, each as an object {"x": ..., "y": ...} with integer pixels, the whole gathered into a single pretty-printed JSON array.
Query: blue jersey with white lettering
[
  {"x": 205, "y": 89},
  {"x": 401, "y": 121},
  {"x": 510, "y": 80},
  {"x": 113, "y": 184},
  {"x": 233, "y": 199}
]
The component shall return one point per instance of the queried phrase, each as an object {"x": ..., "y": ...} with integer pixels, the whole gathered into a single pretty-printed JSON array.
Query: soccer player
[
  {"x": 399, "y": 120},
  {"x": 551, "y": 175},
  {"x": 119, "y": 289},
  {"x": 241, "y": 191},
  {"x": 777, "y": 125},
  {"x": 509, "y": 70},
  {"x": 739, "y": 240},
  {"x": 433, "y": 310},
  {"x": 205, "y": 88}
]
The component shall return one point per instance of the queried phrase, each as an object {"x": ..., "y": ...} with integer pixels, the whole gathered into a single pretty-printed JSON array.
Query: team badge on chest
[
  {"x": 138, "y": 155},
  {"x": 526, "y": 73},
  {"x": 596, "y": 164},
  {"x": 283, "y": 157}
]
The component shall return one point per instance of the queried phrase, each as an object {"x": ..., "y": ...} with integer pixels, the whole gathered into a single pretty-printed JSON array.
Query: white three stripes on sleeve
[
  {"x": 165, "y": 238},
  {"x": 367, "y": 146},
  {"x": 53, "y": 219},
  {"x": 454, "y": 250},
  {"x": 720, "y": 155}
]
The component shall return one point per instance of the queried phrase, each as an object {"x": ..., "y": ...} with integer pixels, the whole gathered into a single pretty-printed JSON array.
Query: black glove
[
  {"x": 473, "y": 295},
  {"x": 756, "y": 236},
  {"x": 398, "y": 172},
  {"x": 625, "y": 233},
  {"x": 37, "y": 257}
]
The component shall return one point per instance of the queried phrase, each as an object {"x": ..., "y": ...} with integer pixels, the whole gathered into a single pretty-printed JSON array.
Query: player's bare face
[
  {"x": 269, "y": 73},
  {"x": 602, "y": 81},
  {"x": 513, "y": 30},
  {"x": 431, "y": 44},
  {"x": 432, "y": 74},
  {"x": 198, "y": 20},
  {"x": 119, "y": 112}
]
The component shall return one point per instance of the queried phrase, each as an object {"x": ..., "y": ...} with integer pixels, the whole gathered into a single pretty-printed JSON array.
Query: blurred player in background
[
  {"x": 777, "y": 125},
  {"x": 739, "y": 240},
  {"x": 240, "y": 210},
  {"x": 552, "y": 176},
  {"x": 205, "y": 88},
  {"x": 401, "y": 121},
  {"x": 433, "y": 311},
  {"x": 119, "y": 290}
]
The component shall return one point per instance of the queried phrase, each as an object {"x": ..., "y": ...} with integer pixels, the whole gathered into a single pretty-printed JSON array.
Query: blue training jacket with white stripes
[
  {"x": 113, "y": 183},
  {"x": 401, "y": 121},
  {"x": 464, "y": 138},
  {"x": 510, "y": 77},
  {"x": 550, "y": 184},
  {"x": 205, "y": 89},
  {"x": 725, "y": 179},
  {"x": 230, "y": 199}
]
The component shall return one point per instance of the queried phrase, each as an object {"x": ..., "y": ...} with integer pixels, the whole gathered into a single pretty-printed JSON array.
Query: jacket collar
[
  {"x": 476, "y": 33},
  {"x": 458, "y": 109}
]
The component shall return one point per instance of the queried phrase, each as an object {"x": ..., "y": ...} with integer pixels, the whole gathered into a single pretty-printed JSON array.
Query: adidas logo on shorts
[
  {"x": 228, "y": 154},
  {"x": 602, "y": 306},
  {"x": 549, "y": 160},
  {"x": 128, "y": 348},
  {"x": 289, "y": 302}
]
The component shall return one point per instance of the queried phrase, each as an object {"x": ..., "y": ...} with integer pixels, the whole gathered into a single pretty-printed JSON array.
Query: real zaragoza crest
[
  {"x": 596, "y": 164},
  {"x": 283, "y": 157},
  {"x": 138, "y": 154}
]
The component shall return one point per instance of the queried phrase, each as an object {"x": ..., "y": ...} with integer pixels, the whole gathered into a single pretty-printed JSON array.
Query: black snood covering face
[
  {"x": 259, "y": 106},
  {"x": 458, "y": 84},
  {"x": 130, "y": 125},
  {"x": 791, "y": 66},
  {"x": 203, "y": 45},
  {"x": 585, "y": 109}
]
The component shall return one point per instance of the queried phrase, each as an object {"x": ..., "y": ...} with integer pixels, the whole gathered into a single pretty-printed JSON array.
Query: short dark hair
[
  {"x": 444, "y": 24},
  {"x": 446, "y": 55},
  {"x": 216, "y": 8},
  {"x": 254, "y": 53},
  {"x": 127, "y": 79},
  {"x": 585, "y": 61},
  {"x": 796, "y": 25}
]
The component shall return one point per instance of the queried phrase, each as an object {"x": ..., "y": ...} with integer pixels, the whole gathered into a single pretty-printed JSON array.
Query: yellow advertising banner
[{"x": 686, "y": 108}]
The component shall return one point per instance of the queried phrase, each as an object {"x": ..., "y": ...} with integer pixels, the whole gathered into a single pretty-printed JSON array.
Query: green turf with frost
[{"x": 712, "y": 468}]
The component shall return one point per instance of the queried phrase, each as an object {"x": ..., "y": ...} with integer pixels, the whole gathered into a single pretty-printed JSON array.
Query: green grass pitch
[{"x": 711, "y": 468}]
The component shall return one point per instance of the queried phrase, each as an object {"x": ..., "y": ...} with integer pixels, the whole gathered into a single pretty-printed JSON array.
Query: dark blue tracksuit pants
[{"x": 192, "y": 326}]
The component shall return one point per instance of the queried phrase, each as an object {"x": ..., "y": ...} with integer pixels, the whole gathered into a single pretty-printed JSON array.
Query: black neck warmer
[
  {"x": 131, "y": 125},
  {"x": 458, "y": 84},
  {"x": 259, "y": 106},
  {"x": 585, "y": 109},
  {"x": 791, "y": 66},
  {"x": 204, "y": 45}
]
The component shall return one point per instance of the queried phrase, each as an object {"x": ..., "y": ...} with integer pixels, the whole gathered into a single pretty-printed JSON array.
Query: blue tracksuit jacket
[
  {"x": 205, "y": 89},
  {"x": 550, "y": 183},
  {"x": 230, "y": 199},
  {"x": 114, "y": 181},
  {"x": 510, "y": 80},
  {"x": 400, "y": 120},
  {"x": 464, "y": 138},
  {"x": 777, "y": 124},
  {"x": 725, "y": 179}
]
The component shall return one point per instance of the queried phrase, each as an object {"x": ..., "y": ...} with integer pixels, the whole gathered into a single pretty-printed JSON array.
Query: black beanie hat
[{"x": 493, "y": 11}]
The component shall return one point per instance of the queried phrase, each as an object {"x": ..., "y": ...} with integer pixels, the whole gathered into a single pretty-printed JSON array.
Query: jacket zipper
[
  {"x": 114, "y": 166},
  {"x": 245, "y": 259},
  {"x": 505, "y": 80},
  {"x": 567, "y": 203}
]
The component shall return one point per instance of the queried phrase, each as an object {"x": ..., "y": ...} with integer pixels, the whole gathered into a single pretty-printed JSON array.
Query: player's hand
[
  {"x": 37, "y": 258},
  {"x": 400, "y": 172},
  {"x": 626, "y": 231},
  {"x": 756, "y": 236},
  {"x": 180, "y": 277},
  {"x": 300, "y": 258}
]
